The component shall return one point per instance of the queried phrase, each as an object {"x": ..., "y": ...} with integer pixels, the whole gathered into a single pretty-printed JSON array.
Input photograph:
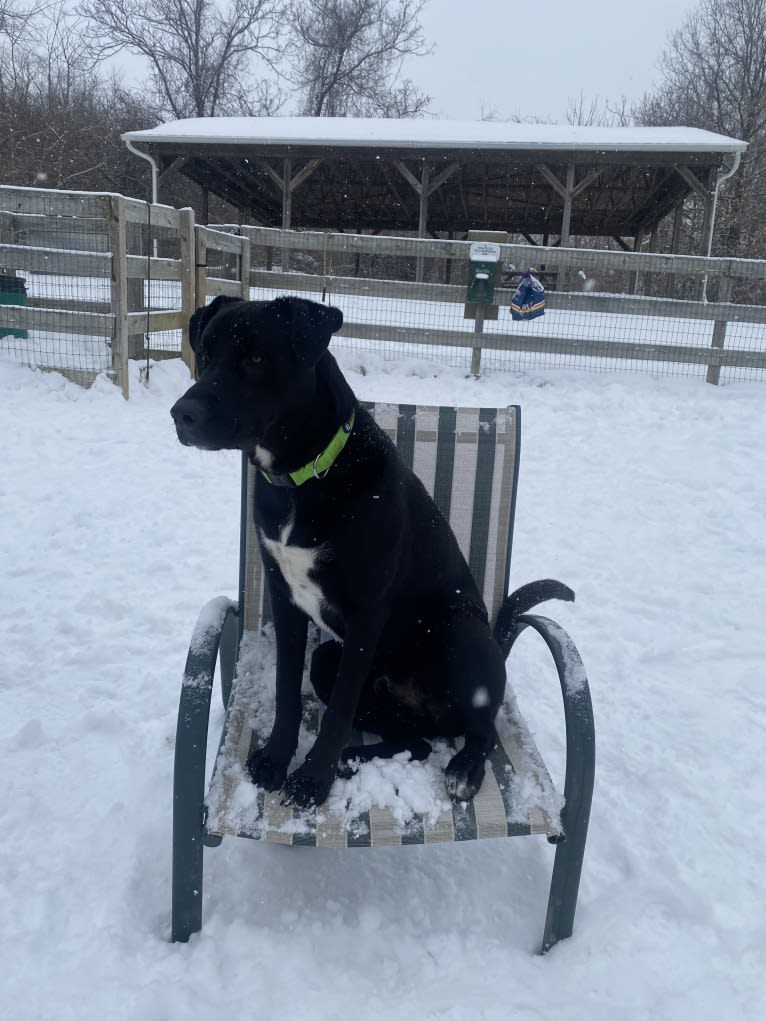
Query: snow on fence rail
[{"x": 89, "y": 280}]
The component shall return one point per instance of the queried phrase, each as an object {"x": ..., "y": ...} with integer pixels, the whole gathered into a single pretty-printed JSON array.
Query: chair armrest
[
  {"x": 189, "y": 768},
  {"x": 197, "y": 687},
  {"x": 578, "y": 716}
]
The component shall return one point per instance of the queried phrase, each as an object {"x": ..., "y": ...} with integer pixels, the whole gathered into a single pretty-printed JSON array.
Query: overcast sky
[{"x": 531, "y": 57}]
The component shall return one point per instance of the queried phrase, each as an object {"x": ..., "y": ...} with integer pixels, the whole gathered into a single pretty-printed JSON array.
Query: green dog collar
[{"x": 322, "y": 463}]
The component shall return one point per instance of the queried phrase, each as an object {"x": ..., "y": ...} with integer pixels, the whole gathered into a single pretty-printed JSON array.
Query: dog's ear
[
  {"x": 309, "y": 325},
  {"x": 202, "y": 317}
]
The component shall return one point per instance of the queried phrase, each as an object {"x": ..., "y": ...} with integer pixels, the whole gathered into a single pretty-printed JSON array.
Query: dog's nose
[{"x": 190, "y": 416}]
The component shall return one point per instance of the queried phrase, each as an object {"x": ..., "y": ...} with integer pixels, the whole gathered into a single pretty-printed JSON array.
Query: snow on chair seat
[{"x": 386, "y": 802}]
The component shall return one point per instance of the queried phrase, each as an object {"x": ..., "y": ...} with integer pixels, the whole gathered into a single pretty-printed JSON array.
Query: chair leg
[
  {"x": 187, "y": 865},
  {"x": 578, "y": 782},
  {"x": 565, "y": 883}
]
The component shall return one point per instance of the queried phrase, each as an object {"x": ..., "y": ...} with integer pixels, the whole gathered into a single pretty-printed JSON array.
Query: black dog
[{"x": 350, "y": 539}]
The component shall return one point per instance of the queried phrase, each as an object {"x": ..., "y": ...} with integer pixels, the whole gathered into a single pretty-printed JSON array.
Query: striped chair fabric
[{"x": 467, "y": 458}]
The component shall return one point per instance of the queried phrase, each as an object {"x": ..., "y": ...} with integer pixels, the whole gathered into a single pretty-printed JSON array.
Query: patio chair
[{"x": 468, "y": 460}]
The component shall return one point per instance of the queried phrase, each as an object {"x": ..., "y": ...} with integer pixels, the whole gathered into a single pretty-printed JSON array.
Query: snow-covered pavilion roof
[
  {"x": 432, "y": 134},
  {"x": 358, "y": 173}
]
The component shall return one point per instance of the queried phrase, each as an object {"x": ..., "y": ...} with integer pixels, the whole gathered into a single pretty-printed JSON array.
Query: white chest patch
[{"x": 296, "y": 564}]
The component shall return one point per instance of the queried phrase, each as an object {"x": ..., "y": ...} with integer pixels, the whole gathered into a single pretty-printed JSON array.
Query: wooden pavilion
[{"x": 547, "y": 183}]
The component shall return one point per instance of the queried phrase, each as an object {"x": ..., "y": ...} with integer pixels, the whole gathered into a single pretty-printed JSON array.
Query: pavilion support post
[
  {"x": 675, "y": 244},
  {"x": 287, "y": 208},
  {"x": 638, "y": 242},
  {"x": 566, "y": 217},
  {"x": 566, "y": 223},
  {"x": 568, "y": 191},
  {"x": 287, "y": 185},
  {"x": 422, "y": 219},
  {"x": 706, "y": 192},
  {"x": 424, "y": 189}
]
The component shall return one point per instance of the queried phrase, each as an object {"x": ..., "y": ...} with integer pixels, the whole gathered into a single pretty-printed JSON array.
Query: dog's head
[{"x": 258, "y": 363}]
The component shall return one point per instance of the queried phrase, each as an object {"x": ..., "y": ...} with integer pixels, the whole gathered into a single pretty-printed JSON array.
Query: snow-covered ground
[{"x": 647, "y": 496}]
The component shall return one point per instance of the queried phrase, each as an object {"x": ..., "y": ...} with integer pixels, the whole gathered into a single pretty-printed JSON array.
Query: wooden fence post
[
  {"x": 188, "y": 280},
  {"x": 244, "y": 268},
  {"x": 200, "y": 267},
  {"x": 719, "y": 331},
  {"x": 119, "y": 291},
  {"x": 478, "y": 329}
]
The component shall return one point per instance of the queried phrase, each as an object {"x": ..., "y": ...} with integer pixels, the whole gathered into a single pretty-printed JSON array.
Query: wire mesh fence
[
  {"x": 55, "y": 264},
  {"x": 88, "y": 281},
  {"x": 605, "y": 310}
]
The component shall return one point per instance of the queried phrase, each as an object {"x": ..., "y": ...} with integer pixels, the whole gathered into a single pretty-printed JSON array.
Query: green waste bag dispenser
[{"x": 483, "y": 267}]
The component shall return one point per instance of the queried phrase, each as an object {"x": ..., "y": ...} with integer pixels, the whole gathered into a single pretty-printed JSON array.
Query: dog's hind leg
[
  {"x": 324, "y": 669},
  {"x": 325, "y": 661}
]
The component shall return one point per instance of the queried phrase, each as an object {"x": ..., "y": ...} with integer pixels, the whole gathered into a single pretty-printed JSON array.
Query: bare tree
[
  {"x": 713, "y": 71},
  {"x": 200, "y": 55},
  {"x": 713, "y": 76},
  {"x": 347, "y": 57},
  {"x": 597, "y": 113},
  {"x": 60, "y": 120}
]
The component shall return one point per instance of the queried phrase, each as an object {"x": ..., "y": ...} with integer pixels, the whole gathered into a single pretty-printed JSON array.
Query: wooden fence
[
  {"x": 336, "y": 267},
  {"x": 112, "y": 278}
]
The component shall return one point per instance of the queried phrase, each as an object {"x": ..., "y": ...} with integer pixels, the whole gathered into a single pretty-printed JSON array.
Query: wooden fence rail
[
  {"x": 112, "y": 274},
  {"x": 328, "y": 249}
]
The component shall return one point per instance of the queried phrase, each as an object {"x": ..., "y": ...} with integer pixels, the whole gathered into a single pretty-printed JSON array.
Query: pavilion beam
[
  {"x": 568, "y": 191},
  {"x": 244, "y": 196},
  {"x": 707, "y": 193},
  {"x": 424, "y": 188},
  {"x": 287, "y": 184}
]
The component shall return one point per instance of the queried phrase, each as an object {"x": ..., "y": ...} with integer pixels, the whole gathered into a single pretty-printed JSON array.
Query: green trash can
[{"x": 12, "y": 292}]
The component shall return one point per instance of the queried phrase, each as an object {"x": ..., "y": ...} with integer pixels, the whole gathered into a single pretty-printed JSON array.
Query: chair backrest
[{"x": 467, "y": 458}]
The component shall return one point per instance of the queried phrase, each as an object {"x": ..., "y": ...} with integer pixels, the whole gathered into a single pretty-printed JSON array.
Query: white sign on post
[{"x": 484, "y": 251}]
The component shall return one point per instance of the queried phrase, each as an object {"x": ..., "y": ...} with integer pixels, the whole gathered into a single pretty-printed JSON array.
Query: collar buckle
[{"x": 318, "y": 474}]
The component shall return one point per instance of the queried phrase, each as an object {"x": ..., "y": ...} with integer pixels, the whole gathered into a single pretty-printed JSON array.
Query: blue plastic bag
[{"x": 528, "y": 300}]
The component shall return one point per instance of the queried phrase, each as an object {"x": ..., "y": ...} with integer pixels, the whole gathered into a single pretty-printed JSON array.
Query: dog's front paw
[
  {"x": 305, "y": 788},
  {"x": 464, "y": 775},
  {"x": 266, "y": 771}
]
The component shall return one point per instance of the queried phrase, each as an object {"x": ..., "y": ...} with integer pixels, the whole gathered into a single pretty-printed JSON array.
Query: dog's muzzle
[{"x": 193, "y": 420}]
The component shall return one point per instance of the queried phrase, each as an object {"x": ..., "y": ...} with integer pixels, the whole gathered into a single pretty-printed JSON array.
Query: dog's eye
[{"x": 254, "y": 360}]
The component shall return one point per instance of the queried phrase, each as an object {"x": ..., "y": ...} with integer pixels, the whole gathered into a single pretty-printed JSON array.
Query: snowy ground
[{"x": 647, "y": 496}]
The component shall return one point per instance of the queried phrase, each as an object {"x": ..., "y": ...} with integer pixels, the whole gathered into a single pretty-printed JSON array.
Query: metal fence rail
[{"x": 88, "y": 281}]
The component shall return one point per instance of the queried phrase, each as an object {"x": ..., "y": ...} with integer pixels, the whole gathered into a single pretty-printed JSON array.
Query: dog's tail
[{"x": 521, "y": 601}]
